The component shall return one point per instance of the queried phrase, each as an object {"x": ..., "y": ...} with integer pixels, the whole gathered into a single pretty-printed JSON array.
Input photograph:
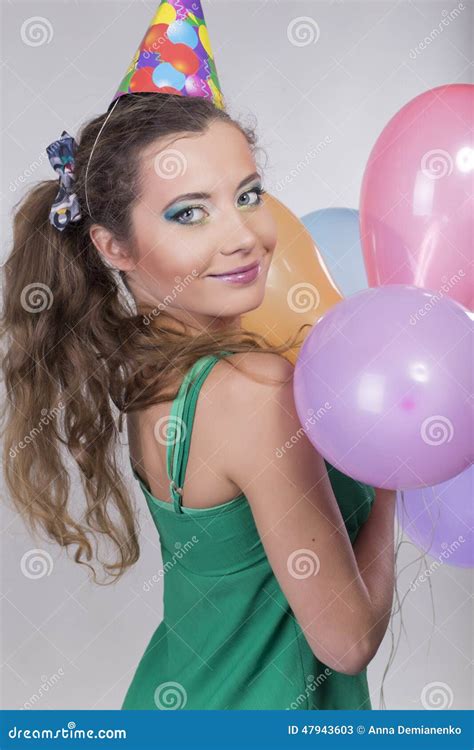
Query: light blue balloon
[
  {"x": 166, "y": 75},
  {"x": 180, "y": 32},
  {"x": 336, "y": 233}
]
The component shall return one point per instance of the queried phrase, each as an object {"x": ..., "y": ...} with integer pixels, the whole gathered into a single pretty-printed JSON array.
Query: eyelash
[{"x": 259, "y": 190}]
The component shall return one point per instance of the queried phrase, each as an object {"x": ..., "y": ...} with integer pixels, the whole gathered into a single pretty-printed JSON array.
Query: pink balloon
[
  {"x": 383, "y": 387},
  {"x": 417, "y": 196}
]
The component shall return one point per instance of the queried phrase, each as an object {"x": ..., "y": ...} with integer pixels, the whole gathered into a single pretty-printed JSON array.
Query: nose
[{"x": 237, "y": 232}]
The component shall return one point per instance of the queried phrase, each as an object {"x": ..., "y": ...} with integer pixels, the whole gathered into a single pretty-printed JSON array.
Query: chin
[{"x": 246, "y": 302}]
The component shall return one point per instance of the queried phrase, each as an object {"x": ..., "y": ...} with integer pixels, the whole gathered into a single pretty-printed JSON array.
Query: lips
[{"x": 241, "y": 269}]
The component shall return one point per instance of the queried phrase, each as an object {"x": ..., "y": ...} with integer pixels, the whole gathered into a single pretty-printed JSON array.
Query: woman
[{"x": 278, "y": 569}]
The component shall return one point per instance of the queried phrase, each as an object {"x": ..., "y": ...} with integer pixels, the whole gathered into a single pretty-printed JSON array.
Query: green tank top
[{"x": 228, "y": 638}]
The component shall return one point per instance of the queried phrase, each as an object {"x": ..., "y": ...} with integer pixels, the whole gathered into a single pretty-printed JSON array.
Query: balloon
[
  {"x": 165, "y": 14},
  {"x": 182, "y": 33},
  {"x": 165, "y": 75},
  {"x": 169, "y": 90},
  {"x": 204, "y": 39},
  {"x": 196, "y": 86},
  {"x": 417, "y": 198},
  {"x": 181, "y": 57},
  {"x": 299, "y": 288},
  {"x": 142, "y": 80},
  {"x": 155, "y": 39},
  {"x": 336, "y": 233},
  {"x": 382, "y": 386},
  {"x": 440, "y": 519}
]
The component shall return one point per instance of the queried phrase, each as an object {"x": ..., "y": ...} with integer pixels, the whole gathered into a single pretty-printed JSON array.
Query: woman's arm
[
  {"x": 375, "y": 555},
  {"x": 342, "y": 602}
]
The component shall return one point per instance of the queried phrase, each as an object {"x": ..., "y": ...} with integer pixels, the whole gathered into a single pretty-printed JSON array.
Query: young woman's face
[{"x": 184, "y": 241}]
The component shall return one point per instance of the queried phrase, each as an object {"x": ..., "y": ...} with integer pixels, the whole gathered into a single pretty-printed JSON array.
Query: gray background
[{"x": 65, "y": 642}]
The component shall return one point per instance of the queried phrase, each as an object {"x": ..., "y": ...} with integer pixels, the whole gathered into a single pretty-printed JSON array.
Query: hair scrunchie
[{"x": 65, "y": 208}]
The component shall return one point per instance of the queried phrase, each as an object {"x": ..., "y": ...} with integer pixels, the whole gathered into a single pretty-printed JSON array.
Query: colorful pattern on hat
[{"x": 175, "y": 55}]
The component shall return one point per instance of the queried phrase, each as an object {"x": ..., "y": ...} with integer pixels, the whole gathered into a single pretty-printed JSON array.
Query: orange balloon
[
  {"x": 155, "y": 38},
  {"x": 299, "y": 287}
]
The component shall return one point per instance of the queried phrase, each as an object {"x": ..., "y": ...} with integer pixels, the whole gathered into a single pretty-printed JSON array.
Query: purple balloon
[
  {"x": 195, "y": 85},
  {"x": 383, "y": 387},
  {"x": 440, "y": 519}
]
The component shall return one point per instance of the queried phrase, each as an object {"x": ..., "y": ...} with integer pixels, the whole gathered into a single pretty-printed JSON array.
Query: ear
[{"x": 112, "y": 250}]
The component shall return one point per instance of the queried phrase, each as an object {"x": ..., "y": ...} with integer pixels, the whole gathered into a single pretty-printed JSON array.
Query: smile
[{"x": 240, "y": 277}]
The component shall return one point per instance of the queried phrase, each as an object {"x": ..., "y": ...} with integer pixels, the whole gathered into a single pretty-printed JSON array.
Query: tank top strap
[{"x": 182, "y": 414}]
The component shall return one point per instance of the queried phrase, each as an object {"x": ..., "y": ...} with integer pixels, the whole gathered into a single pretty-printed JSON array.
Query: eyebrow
[{"x": 197, "y": 196}]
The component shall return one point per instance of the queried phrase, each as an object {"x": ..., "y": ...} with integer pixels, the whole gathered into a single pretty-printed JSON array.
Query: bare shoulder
[
  {"x": 247, "y": 381},
  {"x": 254, "y": 369},
  {"x": 254, "y": 406}
]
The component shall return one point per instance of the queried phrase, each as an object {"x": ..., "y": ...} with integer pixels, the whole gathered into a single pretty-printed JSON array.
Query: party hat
[{"x": 174, "y": 56}]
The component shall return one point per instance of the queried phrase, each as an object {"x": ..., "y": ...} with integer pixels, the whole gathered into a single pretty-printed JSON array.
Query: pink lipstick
[{"x": 241, "y": 276}]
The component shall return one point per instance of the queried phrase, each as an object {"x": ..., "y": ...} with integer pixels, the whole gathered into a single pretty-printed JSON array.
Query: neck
[{"x": 197, "y": 324}]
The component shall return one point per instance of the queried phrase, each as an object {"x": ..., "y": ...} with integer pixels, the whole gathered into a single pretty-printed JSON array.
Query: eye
[
  {"x": 258, "y": 191},
  {"x": 185, "y": 216}
]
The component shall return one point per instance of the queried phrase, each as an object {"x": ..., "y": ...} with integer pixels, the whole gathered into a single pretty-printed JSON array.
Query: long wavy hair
[{"x": 80, "y": 353}]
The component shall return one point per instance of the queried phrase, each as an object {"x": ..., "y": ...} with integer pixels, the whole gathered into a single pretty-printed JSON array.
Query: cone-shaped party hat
[{"x": 174, "y": 56}]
